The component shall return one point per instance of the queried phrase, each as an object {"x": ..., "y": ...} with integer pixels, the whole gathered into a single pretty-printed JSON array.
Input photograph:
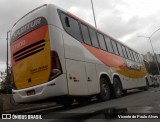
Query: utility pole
[
  {"x": 93, "y": 14},
  {"x": 7, "y": 82},
  {"x": 155, "y": 57}
]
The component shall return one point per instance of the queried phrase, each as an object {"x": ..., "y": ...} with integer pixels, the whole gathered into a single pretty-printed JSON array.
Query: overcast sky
[{"x": 122, "y": 19}]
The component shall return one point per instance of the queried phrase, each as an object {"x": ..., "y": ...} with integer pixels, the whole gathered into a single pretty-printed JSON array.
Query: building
[
  {"x": 148, "y": 57},
  {"x": 158, "y": 57}
]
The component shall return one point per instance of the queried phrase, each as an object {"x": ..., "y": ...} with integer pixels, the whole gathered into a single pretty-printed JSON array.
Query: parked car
[
  {"x": 156, "y": 82},
  {"x": 150, "y": 80}
]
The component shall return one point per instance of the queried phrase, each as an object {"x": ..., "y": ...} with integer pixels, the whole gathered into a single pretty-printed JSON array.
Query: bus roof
[
  {"x": 29, "y": 13},
  {"x": 88, "y": 24},
  {"x": 76, "y": 17}
]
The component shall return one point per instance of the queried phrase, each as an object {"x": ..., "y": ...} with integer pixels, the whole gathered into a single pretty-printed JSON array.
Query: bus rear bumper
[{"x": 52, "y": 88}]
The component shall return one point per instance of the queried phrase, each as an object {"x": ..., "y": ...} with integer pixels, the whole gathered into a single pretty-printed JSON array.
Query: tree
[{"x": 6, "y": 82}]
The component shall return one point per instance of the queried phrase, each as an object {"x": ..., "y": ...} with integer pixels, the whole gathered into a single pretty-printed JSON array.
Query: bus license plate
[{"x": 31, "y": 92}]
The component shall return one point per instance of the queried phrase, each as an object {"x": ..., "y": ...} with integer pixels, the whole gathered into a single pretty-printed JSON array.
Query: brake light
[{"x": 56, "y": 68}]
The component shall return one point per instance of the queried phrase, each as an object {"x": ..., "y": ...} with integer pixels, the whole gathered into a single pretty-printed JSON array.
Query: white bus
[{"x": 56, "y": 54}]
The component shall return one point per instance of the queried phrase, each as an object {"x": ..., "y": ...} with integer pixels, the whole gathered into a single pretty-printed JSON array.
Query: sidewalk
[{"x": 7, "y": 105}]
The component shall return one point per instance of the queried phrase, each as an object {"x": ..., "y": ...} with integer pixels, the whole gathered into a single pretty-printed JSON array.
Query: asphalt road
[{"x": 137, "y": 103}]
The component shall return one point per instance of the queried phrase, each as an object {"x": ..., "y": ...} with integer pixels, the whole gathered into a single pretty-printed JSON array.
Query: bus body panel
[
  {"x": 76, "y": 76},
  {"x": 56, "y": 87},
  {"x": 92, "y": 78},
  {"x": 20, "y": 71},
  {"x": 80, "y": 63},
  {"x": 29, "y": 68},
  {"x": 57, "y": 45}
]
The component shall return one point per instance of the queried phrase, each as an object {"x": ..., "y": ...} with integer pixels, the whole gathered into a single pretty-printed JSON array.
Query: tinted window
[
  {"x": 124, "y": 52},
  {"x": 139, "y": 58},
  {"x": 135, "y": 57},
  {"x": 71, "y": 26},
  {"x": 85, "y": 34},
  {"x": 93, "y": 38},
  {"x": 108, "y": 43},
  {"x": 114, "y": 47},
  {"x": 129, "y": 56},
  {"x": 101, "y": 41},
  {"x": 120, "y": 49}
]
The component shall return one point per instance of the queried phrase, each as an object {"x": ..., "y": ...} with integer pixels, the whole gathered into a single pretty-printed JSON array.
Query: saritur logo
[{"x": 32, "y": 25}]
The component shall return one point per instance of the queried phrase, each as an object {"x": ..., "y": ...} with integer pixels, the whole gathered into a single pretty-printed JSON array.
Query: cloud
[{"x": 122, "y": 19}]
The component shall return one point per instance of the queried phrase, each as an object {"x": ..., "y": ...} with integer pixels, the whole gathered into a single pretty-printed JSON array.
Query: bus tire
[
  {"x": 65, "y": 101},
  {"x": 104, "y": 90},
  {"x": 117, "y": 88}
]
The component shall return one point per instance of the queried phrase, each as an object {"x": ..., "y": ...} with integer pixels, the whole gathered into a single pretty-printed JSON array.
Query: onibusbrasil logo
[{"x": 15, "y": 116}]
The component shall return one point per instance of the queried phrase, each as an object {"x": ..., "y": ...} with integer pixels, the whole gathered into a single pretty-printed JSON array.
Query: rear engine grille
[{"x": 29, "y": 50}]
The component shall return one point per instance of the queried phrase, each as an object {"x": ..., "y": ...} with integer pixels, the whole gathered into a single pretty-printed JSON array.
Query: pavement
[{"x": 8, "y": 106}]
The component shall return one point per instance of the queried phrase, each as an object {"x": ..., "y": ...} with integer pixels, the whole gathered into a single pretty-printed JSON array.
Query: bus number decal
[{"x": 18, "y": 45}]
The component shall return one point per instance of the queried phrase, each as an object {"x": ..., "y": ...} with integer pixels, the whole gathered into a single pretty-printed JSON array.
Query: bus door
[
  {"x": 76, "y": 76},
  {"x": 91, "y": 77}
]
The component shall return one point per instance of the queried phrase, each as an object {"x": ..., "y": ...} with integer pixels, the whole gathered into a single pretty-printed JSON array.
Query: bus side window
[
  {"x": 135, "y": 57},
  {"x": 120, "y": 49},
  {"x": 129, "y": 56},
  {"x": 140, "y": 59},
  {"x": 114, "y": 45},
  {"x": 101, "y": 41},
  {"x": 109, "y": 45},
  {"x": 130, "y": 51},
  {"x": 124, "y": 52},
  {"x": 71, "y": 26},
  {"x": 85, "y": 34},
  {"x": 93, "y": 37}
]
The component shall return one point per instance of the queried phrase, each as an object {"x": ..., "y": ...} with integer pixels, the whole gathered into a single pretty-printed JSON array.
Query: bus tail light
[{"x": 56, "y": 68}]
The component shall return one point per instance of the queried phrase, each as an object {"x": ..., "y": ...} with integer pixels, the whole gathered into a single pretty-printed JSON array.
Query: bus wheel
[
  {"x": 117, "y": 88},
  {"x": 83, "y": 100},
  {"x": 104, "y": 90},
  {"x": 65, "y": 101}
]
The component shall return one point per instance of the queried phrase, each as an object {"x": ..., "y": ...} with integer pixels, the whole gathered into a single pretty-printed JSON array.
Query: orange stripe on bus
[{"x": 115, "y": 62}]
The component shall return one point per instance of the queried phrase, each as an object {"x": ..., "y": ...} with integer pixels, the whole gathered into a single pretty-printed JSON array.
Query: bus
[{"x": 55, "y": 54}]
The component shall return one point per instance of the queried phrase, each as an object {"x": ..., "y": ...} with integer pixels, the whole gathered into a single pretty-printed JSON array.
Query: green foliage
[{"x": 6, "y": 83}]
